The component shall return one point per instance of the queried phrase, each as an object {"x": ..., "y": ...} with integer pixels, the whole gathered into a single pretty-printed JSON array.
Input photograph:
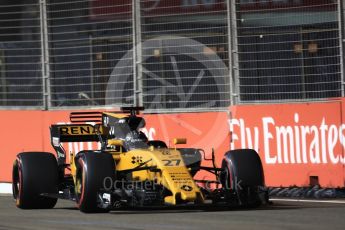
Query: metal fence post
[
  {"x": 341, "y": 19},
  {"x": 233, "y": 52},
  {"x": 137, "y": 54},
  {"x": 45, "y": 56},
  {"x": 228, "y": 21}
]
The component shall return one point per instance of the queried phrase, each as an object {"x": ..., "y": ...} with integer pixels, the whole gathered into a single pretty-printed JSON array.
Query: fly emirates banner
[{"x": 296, "y": 142}]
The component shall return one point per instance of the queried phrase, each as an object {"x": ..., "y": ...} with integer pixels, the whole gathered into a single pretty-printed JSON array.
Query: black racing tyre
[
  {"x": 243, "y": 176},
  {"x": 33, "y": 174},
  {"x": 95, "y": 173}
]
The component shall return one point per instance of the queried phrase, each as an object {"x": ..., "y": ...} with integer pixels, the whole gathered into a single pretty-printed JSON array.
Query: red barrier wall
[{"x": 295, "y": 141}]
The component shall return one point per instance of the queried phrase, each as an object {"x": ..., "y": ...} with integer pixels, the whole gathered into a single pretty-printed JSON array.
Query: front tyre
[
  {"x": 95, "y": 174},
  {"x": 242, "y": 178},
  {"x": 33, "y": 174}
]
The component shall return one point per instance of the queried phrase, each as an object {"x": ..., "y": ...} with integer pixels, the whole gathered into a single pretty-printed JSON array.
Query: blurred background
[{"x": 60, "y": 54}]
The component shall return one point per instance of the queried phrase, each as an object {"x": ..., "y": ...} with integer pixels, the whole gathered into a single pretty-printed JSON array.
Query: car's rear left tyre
[{"x": 34, "y": 174}]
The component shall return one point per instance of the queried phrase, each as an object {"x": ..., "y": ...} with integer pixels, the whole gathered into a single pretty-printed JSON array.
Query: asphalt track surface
[{"x": 279, "y": 215}]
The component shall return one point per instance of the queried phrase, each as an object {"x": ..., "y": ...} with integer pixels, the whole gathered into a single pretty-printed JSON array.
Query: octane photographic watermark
[
  {"x": 109, "y": 184},
  {"x": 174, "y": 74}
]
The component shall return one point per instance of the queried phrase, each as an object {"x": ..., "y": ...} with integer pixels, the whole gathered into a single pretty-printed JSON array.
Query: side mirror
[
  {"x": 115, "y": 144},
  {"x": 180, "y": 141}
]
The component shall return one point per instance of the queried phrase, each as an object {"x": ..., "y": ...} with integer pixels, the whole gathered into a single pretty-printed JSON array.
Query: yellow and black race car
[{"x": 130, "y": 171}]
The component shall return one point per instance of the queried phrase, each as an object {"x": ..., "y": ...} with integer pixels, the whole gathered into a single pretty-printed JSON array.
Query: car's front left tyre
[{"x": 242, "y": 178}]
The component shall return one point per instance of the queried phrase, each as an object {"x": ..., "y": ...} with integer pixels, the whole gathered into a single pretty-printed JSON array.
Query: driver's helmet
[{"x": 136, "y": 123}]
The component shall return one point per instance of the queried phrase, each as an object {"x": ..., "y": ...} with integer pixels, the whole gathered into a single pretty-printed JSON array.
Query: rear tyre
[
  {"x": 33, "y": 174},
  {"x": 95, "y": 174},
  {"x": 243, "y": 178}
]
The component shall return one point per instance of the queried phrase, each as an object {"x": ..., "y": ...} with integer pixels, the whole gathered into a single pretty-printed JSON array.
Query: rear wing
[
  {"x": 97, "y": 117},
  {"x": 74, "y": 133},
  {"x": 77, "y": 133},
  {"x": 82, "y": 117}
]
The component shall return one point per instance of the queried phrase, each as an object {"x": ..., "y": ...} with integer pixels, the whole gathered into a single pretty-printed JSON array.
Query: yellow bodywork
[
  {"x": 171, "y": 171},
  {"x": 169, "y": 168}
]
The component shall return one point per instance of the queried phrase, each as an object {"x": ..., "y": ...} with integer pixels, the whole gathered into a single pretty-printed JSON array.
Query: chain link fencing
[
  {"x": 20, "y": 54},
  {"x": 169, "y": 55},
  {"x": 289, "y": 50},
  {"x": 86, "y": 40}
]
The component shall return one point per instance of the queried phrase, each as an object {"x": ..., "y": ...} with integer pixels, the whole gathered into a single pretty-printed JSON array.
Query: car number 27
[{"x": 174, "y": 162}]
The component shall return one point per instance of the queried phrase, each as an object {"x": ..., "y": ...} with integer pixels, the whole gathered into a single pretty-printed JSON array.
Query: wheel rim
[
  {"x": 17, "y": 182},
  {"x": 78, "y": 186},
  {"x": 226, "y": 177},
  {"x": 80, "y": 182},
  {"x": 227, "y": 183}
]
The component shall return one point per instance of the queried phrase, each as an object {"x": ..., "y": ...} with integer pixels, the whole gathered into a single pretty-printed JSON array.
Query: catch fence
[{"x": 169, "y": 55}]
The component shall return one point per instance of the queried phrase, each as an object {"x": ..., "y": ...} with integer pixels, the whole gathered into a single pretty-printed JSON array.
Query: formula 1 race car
[{"x": 130, "y": 171}]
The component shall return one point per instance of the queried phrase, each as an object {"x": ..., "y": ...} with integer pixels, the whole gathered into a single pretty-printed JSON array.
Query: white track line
[
  {"x": 5, "y": 188},
  {"x": 311, "y": 201}
]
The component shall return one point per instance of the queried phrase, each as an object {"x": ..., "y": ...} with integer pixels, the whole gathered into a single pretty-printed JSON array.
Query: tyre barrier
[{"x": 315, "y": 192}]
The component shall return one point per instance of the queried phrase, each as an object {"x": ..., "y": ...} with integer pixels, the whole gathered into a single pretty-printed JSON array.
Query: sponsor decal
[
  {"x": 186, "y": 188},
  {"x": 137, "y": 160},
  {"x": 56, "y": 141},
  {"x": 78, "y": 130},
  {"x": 296, "y": 143}
]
